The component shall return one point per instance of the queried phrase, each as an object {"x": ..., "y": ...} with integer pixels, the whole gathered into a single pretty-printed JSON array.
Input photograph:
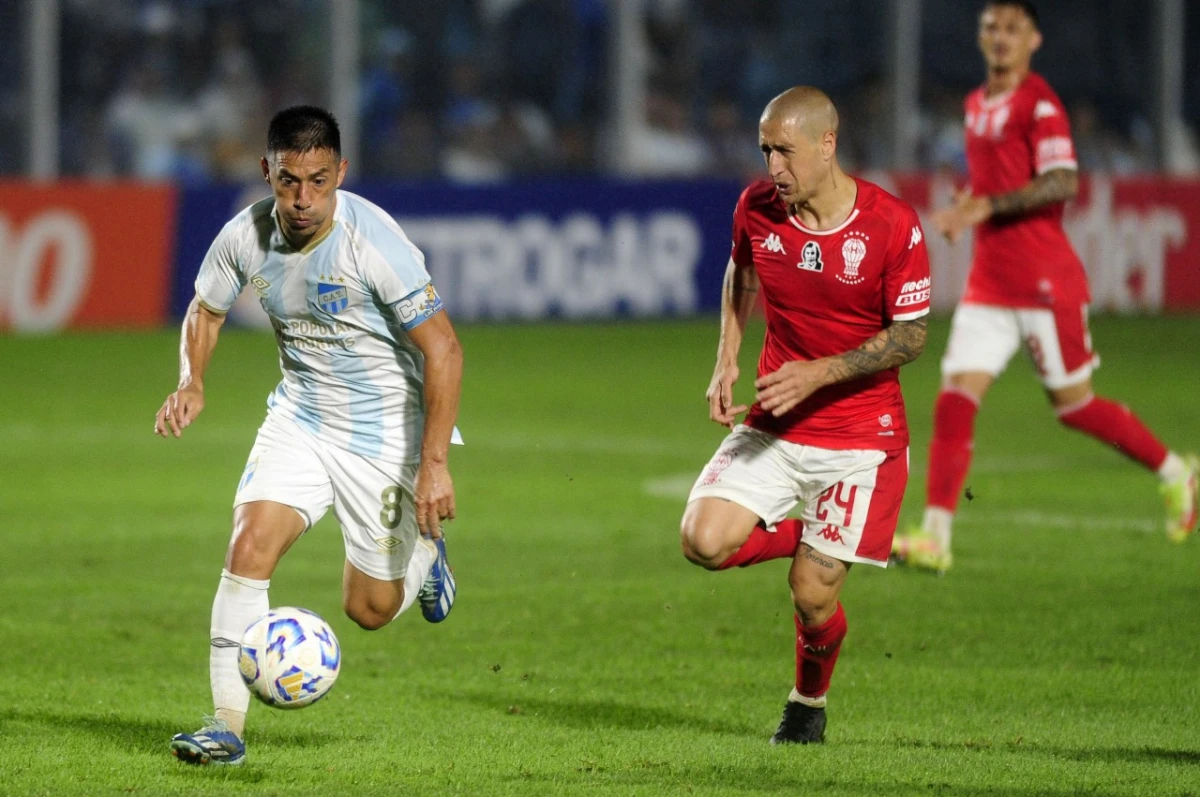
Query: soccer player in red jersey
[
  {"x": 1026, "y": 287},
  {"x": 845, "y": 280}
]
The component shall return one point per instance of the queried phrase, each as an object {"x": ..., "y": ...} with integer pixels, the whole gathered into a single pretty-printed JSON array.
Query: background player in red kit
[
  {"x": 1026, "y": 286},
  {"x": 845, "y": 281}
]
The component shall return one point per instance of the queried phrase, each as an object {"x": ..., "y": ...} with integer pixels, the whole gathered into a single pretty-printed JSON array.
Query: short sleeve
[
  {"x": 1050, "y": 136},
  {"x": 396, "y": 271},
  {"x": 396, "y": 267},
  {"x": 742, "y": 252},
  {"x": 221, "y": 277},
  {"x": 906, "y": 273}
]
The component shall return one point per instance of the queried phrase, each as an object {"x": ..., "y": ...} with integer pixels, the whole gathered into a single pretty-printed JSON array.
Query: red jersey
[
  {"x": 1022, "y": 261},
  {"x": 826, "y": 292}
]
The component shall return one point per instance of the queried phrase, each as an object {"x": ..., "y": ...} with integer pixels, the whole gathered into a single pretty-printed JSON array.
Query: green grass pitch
[{"x": 1061, "y": 656}]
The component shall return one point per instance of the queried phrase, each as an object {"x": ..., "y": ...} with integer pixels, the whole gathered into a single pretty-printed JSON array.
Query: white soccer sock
[
  {"x": 1173, "y": 468},
  {"x": 419, "y": 565},
  {"x": 239, "y": 602},
  {"x": 811, "y": 702},
  {"x": 937, "y": 522}
]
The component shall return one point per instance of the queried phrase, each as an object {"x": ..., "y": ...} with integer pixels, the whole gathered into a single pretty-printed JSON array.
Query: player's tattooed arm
[
  {"x": 795, "y": 381},
  {"x": 899, "y": 344},
  {"x": 1056, "y": 185}
]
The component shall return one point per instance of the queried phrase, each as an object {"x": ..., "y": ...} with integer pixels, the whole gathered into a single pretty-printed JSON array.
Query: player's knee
[
  {"x": 701, "y": 543},
  {"x": 369, "y": 617},
  {"x": 815, "y": 603},
  {"x": 252, "y": 553}
]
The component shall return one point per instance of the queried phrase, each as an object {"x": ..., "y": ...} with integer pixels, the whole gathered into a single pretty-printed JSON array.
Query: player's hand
[
  {"x": 720, "y": 396},
  {"x": 434, "y": 497},
  {"x": 967, "y": 211},
  {"x": 179, "y": 410},
  {"x": 781, "y": 390}
]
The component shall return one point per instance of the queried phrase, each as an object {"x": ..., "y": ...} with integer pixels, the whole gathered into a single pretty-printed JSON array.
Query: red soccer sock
[
  {"x": 764, "y": 545},
  {"x": 817, "y": 652},
  {"x": 950, "y": 450},
  {"x": 1116, "y": 425}
]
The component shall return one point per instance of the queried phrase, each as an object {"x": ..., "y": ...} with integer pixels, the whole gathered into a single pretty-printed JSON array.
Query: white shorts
[
  {"x": 851, "y": 498},
  {"x": 983, "y": 338},
  {"x": 372, "y": 499}
]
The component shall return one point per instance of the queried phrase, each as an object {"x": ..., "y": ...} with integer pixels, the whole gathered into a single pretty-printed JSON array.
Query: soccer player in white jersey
[{"x": 362, "y": 420}]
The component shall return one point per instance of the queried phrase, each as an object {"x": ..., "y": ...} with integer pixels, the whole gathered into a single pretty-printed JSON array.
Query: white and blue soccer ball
[{"x": 289, "y": 658}]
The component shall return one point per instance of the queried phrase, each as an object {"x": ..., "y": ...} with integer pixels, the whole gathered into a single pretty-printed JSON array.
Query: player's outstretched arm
[
  {"x": 434, "y": 491},
  {"x": 738, "y": 294},
  {"x": 899, "y": 344},
  {"x": 1056, "y": 185},
  {"x": 201, "y": 327}
]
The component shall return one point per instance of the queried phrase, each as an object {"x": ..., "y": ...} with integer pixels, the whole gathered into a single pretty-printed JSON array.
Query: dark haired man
[
  {"x": 1027, "y": 287},
  {"x": 362, "y": 420}
]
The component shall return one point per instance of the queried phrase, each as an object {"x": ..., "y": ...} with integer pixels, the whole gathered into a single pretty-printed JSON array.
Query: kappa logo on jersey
[
  {"x": 773, "y": 244},
  {"x": 916, "y": 237},
  {"x": 854, "y": 249},
  {"x": 913, "y": 292},
  {"x": 810, "y": 257},
  {"x": 1044, "y": 110},
  {"x": 332, "y": 299}
]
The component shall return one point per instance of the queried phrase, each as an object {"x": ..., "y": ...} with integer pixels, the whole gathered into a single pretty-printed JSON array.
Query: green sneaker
[
  {"x": 917, "y": 548},
  {"x": 1181, "y": 497}
]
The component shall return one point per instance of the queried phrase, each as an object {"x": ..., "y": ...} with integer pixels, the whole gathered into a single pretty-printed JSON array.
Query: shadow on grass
[
  {"x": 146, "y": 735},
  {"x": 576, "y": 713},
  {"x": 1121, "y": 755}
]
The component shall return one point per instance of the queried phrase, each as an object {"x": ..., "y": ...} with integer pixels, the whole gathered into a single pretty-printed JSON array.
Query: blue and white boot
[
  {"x": 212, "y": 744},
  {"x": 437, "y": 593}
]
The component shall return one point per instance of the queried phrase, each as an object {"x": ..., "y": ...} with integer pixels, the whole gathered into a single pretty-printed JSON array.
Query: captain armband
[{"x": 414, "y": 309}]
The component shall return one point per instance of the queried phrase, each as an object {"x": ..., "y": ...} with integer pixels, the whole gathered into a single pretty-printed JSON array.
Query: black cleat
[{"x": 801, "y": 724}]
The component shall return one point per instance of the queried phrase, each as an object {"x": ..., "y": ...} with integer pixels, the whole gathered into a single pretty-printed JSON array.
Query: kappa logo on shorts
[{"x": 831, "y": 533}]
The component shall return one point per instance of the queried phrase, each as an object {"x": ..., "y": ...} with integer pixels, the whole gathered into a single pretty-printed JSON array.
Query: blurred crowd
[{"x": 486, "y": 90}]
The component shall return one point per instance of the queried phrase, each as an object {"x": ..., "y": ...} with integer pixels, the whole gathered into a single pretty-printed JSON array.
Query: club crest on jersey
[
  {"x": 332, "y": 298},
  {"x": 854, "y": 249},
  {"x": 810, "y": 257}
]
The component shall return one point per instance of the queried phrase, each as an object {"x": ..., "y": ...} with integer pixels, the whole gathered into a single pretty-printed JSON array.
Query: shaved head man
[{"x": 845, "y": 281}]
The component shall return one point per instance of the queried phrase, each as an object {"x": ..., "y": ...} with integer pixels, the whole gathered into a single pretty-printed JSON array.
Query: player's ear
[
  {"x": 828, "y": 145},
  {"x": 266, "y": 169},
  {"x": 342, "y": 164},
  {"x": 1036, "y": 41}
]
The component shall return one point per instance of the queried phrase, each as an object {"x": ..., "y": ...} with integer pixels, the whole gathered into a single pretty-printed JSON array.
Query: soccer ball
[{"x": 289, "y": 658}]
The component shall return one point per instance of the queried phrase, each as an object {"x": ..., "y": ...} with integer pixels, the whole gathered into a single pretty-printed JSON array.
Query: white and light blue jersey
[{"x": 341, "y": 308}]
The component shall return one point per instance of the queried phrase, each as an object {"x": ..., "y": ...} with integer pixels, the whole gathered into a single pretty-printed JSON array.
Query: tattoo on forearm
[
  {"x": 900, "y": 343},
  {"x": 817, "y": 559},
  {"x": 1057, "y": 185}
]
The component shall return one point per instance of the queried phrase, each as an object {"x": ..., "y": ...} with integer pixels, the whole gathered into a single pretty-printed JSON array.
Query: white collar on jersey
[{"x": 796, "y": 222}]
